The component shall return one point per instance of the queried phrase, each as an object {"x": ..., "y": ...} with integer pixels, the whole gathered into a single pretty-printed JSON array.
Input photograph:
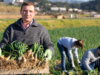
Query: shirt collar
[{"x": 27, "y": 24}]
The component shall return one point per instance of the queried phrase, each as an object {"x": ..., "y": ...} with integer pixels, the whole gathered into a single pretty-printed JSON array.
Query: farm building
[
  {"x": 75, "y": 9},
  {"x": 62, "y": 8},
  {"x": 37, "y": 8},
  {"x": 79, "y": 10},
  {"x": 48, "y": 4},
  {"x": 35, "y": 3},
  {"x": 91, "y": 13},
  {"x": 59, "y": 16},
  {"x": 96, "y": 15},
  {"x": 54, "y": 8},
  {"x": 70, "y": 9},
  {"x": 58, "y": 8}
]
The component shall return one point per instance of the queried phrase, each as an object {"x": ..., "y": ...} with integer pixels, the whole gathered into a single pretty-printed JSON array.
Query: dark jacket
[{"x": 34, "y": 33}]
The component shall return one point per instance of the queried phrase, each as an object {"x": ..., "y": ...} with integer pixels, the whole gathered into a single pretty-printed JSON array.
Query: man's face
[
  {"x": 99, "y": 52},
  {"x": 27, "y": 13}
]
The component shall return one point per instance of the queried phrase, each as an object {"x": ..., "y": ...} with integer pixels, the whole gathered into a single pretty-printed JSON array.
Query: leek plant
[
  {"x": 21, "y": 49},
  {"x": 1, "y": 55},
  {"x": 34, "y": 49},
  {"x": 37, "y": 51}
]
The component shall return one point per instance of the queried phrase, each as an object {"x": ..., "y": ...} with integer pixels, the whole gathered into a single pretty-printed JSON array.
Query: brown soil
[
  {"x": 15, "y": 64},
  {"x": 16, "y": 16}
]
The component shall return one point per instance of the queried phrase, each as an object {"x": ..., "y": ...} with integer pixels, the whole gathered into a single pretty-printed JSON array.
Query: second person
[{"x": 65, "y": 46}]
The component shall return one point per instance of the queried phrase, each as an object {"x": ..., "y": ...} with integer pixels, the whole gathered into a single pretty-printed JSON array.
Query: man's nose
[{"x": 28, "y": 13}]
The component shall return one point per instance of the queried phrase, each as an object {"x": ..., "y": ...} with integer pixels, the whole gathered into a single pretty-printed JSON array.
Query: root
[
  {"x": 15, "y": 64},
  {"x": 38, "y": 64}
]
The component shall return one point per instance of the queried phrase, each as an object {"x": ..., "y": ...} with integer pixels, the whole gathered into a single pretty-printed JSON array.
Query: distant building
[
  {"x": 75, "y": 9},
  {"x": 54, "y": 8},
  {"x": 70, "y": 9},
  {"x": 96, "y": 15},
  {"x": 59, "y": 16},
  {"x": 79, "y": 10},
  {"x": 48, "y": 4},
  {"x": 37, "y": 8},
  {"x": 58, "y": 9},
  {"x": 85, "y": 12},
  {"x": 20, "y": 1},
  {"x": 93, "y": 13},
  {"x": 71, "y": 16},
  {"x": 35, "y": 3},
  {"x": 62, "y": 8}
]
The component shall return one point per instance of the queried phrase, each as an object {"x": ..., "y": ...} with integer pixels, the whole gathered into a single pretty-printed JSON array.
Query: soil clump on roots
[{"x": 16, "y": 64}]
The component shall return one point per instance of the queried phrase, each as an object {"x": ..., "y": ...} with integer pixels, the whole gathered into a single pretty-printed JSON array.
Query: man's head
[
  {"x": 79, "y": 43},
  {"x": 99, "y": 50},
  {"x": 27, "y": 11}
]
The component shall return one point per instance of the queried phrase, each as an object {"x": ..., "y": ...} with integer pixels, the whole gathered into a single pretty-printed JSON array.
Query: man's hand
[{"x": 48, "y": 53}]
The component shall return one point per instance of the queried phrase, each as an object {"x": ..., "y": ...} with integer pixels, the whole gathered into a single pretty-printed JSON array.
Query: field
[
  {"x": 89, "y": 35},
  {"x": 86, "y": 29},
  {"x": 55, "y": 24}
]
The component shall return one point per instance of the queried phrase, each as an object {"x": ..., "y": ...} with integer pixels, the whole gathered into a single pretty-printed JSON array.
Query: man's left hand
[{"x": 48, "y": 53}]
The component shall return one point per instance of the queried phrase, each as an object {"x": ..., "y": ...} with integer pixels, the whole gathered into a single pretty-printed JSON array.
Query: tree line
[{"x": 92, "y": 5}]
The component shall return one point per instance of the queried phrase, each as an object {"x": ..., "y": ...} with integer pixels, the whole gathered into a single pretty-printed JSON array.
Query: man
[
  {"x": 91, "y": 59},
  {"x": 28, "y": 31}
]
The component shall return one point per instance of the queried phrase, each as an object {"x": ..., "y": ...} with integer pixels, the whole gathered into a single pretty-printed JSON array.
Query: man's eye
[
  {"x": 31, "y": 11},
  {"x": 25, "y": 11}
]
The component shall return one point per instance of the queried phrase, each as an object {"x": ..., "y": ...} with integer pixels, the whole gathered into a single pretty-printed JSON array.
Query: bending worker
[{"x": 65, "y": 46}]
